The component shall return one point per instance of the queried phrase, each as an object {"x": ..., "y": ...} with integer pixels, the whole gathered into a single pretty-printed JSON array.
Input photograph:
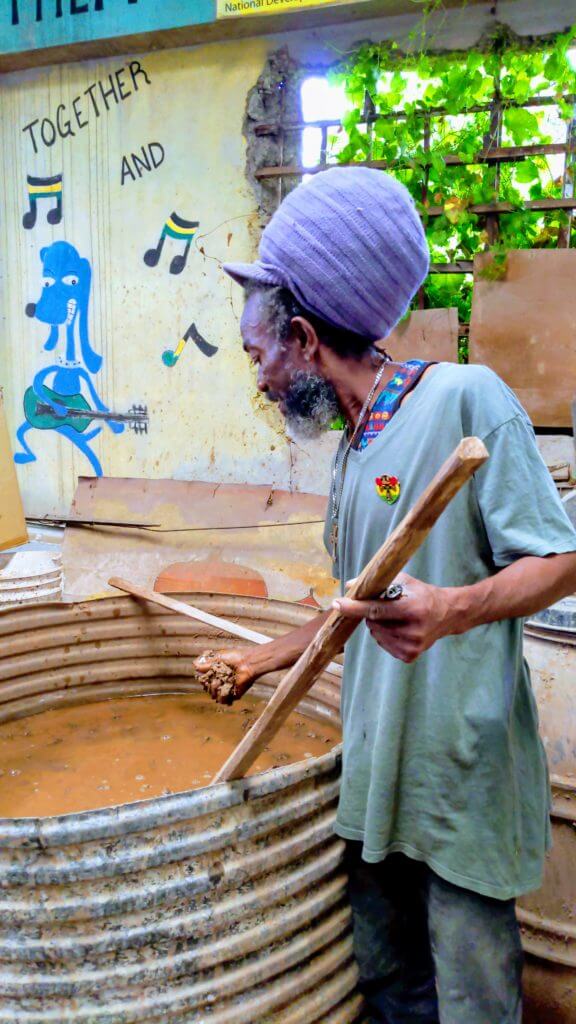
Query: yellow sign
[
  {"x": 12, "y": 523},
  {"x": 241, "y": 8}
]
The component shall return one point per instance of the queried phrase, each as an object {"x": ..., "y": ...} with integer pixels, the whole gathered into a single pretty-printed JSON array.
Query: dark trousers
[{"x": 430, "y": 952}]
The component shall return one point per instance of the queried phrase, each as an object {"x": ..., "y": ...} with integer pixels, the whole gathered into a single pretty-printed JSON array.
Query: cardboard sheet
[
  {"x": 12, "y": 523},
  {"x": 524, "y": 328},
  {"x": 234, "y": 537},
  {"x": 430, "y": 334}
]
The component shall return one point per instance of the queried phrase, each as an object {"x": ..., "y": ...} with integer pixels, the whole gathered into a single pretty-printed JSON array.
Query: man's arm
[
  {"x": 425, "y": 613},
  {"x": 253, "y": 662}
]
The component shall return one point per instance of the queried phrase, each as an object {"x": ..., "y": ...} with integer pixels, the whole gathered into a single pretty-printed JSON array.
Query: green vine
[{"x": 426, "y": 110}]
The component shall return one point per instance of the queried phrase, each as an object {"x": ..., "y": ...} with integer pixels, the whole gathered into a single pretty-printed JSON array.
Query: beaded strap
[{"x": 389, "y": 399}]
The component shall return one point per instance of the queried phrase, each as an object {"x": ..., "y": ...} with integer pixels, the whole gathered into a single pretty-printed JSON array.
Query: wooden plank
[
  {"x": 496, "y": 155},
  {"x": 562, "y": 203},
  {"x": 509, "y": 154},
  {"x": 271, "y": 127},
  {"x": 459, "y": 267},
  {"x": 274, "y": 532},
  {"x": 524, "y": 326},
  {"x": 382, "y": 569},
  {"x": 430, "y": 334},
  {"x": 487, "y": 209}
]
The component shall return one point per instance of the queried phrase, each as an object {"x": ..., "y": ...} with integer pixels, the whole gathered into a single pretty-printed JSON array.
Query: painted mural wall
[{"x": 124, "y": 191}]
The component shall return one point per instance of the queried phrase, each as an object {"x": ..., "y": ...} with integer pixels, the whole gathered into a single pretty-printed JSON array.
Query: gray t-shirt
[{"x": 442, "y": 759}]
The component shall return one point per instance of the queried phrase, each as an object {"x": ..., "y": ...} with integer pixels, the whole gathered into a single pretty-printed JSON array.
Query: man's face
[
  {"x": 307, "y": 400},
  {"x": 276, "y": 361}
]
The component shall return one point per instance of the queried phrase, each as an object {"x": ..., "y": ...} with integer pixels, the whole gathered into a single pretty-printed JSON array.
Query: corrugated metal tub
[
  {"x": 547, "y": 917},
  {"x": 224, "y": 905}
]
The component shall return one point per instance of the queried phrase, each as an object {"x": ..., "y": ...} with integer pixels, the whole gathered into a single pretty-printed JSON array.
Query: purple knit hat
[{"x": 349, "y": 245}]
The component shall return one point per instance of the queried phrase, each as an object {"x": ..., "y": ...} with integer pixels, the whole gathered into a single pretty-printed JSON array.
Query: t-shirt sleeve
[{"x": 518, "y": 501}]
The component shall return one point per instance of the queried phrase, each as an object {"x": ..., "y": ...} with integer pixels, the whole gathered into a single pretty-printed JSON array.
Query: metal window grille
[{"x": 494, "y": 153}]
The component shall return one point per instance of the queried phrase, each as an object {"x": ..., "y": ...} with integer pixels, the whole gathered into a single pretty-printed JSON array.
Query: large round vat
[
  {"x": 224, "y": 905},
  {"x": 548, "y": 916}
]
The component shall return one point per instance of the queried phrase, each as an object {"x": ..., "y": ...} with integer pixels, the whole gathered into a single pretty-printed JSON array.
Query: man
[{"x": 444, "y": 797}]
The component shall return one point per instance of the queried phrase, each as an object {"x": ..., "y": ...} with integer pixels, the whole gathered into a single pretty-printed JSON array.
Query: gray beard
[{"x": 311, "y": 406}]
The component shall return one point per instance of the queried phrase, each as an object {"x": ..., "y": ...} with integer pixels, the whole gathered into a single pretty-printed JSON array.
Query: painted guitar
[{"x": 79, "y": 413}]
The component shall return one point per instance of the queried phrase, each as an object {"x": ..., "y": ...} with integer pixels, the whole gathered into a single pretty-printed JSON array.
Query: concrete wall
[{"x": 206, "y": 420}]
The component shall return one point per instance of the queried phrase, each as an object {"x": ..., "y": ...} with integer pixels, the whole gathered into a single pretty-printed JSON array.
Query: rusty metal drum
[
  {"x": 224, "y": 905},
  {"x": 548, "y": 916}
]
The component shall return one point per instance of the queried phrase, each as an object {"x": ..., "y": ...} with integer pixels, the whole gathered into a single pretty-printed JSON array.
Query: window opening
[{"x": 485, "y": 142}]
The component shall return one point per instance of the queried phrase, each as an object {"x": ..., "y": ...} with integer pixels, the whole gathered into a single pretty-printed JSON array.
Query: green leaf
[
  {"x": 553, "y": 67},
  {"x": 474, "y": 60},
  {"x": 455, "y": 83},
  {"x": 526, "y": 172},
  {"x": 521, "y": 124},
  {"x": 350, "y": 119}
]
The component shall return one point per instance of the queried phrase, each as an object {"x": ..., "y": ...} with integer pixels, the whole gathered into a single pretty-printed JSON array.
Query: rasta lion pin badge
[{"x": 388, "y": 488}]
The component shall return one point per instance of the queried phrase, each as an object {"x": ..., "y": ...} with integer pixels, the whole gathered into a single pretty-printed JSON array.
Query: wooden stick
[
  {"x": 197, "y": 613},
  {"x": 380, "y": 572}
]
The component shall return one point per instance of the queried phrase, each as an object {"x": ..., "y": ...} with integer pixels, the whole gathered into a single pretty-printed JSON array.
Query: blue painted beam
[{"x": 38, "y": 24}]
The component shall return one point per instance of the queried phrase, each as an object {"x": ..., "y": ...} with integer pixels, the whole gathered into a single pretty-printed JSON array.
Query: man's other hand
[{"x": 407, "y": 626}]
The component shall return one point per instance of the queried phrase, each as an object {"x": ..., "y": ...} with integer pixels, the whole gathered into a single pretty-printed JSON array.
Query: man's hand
[
  {"x": 225, "y": 691},
  {"x": 408, "y": 626},
  {"x": 228, "y": 674}
]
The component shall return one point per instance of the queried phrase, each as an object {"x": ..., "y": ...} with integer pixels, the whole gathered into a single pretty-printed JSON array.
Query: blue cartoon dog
[{"x": 64, "y": 304}]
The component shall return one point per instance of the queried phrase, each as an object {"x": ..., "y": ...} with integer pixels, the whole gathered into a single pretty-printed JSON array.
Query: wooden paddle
[
  {"x": 380, "y": 572},
  {"x": 198, "y": 613}
]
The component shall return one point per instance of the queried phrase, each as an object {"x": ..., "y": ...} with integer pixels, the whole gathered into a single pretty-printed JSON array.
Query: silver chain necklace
[{"x": 340, "y": 466}]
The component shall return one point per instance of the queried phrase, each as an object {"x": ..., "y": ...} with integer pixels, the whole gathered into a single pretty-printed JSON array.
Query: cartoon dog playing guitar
[{"x": 60, "y": 396}]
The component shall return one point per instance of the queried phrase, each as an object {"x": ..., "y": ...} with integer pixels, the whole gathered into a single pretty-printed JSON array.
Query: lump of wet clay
[{"x": 219, "y": 680}]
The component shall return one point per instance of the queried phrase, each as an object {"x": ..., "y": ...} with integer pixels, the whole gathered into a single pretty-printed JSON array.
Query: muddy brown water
[{"x": 117, "y": 751}]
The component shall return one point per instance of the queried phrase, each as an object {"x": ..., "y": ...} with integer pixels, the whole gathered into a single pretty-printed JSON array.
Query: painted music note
[
  {"x": 180, "y": 229},
  {"x": 170, "y": 358},
  {"x": 43, "y": 188},
  {"x": 205, "y": 347}
]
